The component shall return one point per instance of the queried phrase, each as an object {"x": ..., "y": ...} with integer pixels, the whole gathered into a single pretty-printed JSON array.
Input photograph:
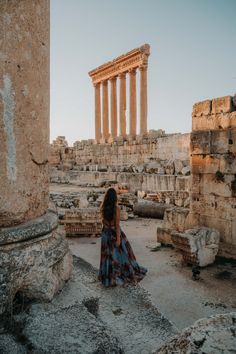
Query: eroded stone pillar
[
  {"x": 143, "y": 99},
  {"x": 34, "y": 258},
  {"x": 97, "y": 112},
  {"x": 122, "y": 104},
  {"x": 105, "y": 118},
  {"x": 133, "y": 108},
  {"x": 113, "y": 108}
]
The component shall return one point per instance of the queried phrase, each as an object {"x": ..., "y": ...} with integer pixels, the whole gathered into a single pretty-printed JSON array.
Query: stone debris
[
  {"x": 216, "y": 334},
  {"x": 83, "y": 222},
  {"x": 149, "y": 209},
  {"x": 198, "y": 246},
  {"x": 88, "y": 318}
]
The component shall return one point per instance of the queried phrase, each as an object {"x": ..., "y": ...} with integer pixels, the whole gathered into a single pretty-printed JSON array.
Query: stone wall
[
  {"x": 155, "y": 162},
  {"x": 213, "y": 168},
  {"x": 120, "y": 151}
]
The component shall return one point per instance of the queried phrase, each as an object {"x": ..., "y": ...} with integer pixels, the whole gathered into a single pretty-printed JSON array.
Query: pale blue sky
[{"x": 193, "y": 56}]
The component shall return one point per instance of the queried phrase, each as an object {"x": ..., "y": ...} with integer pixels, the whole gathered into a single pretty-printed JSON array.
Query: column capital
[
  {"x": 113, "y": 78},
  {"x": 104, "y": 82},
  {"x": 132, "y": 71},
  {"x": 96, "y": 84},
  {"x": 122, "y": 75},
  {"x": 143, "y": 67}
]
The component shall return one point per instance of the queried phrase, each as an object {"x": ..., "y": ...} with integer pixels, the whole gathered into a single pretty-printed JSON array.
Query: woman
[{"x": 118, "y": 265}]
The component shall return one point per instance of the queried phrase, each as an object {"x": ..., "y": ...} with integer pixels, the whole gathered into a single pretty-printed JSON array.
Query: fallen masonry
[{"x": 199, "y": 246}]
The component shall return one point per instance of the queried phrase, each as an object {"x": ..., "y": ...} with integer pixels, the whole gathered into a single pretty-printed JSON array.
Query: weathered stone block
[
  {"x": 225, "y": 163},
  {"x": 200, "y": 142},
  {"x": 183, "y": 183},
  {"x": 213, "y": 205},
  {"x": 223, "y": 141},
  {"x": 205, "y": 163},
  {"x": 198, "y": 245},
  {"x": 202, "y": 108},
  {"x": 221, "y": 224},
  {"x": 212, "y": 184},
  {"x": 176, "y": 218},
  {"x": 164, "y": 236},
  {"x": 213, "y": 142},
  {"x": 214, "y": 121},
  {"x": 222, "y": 104}
]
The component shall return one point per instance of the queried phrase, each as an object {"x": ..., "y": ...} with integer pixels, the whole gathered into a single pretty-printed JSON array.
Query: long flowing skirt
[{"x": 118, "y": 265}]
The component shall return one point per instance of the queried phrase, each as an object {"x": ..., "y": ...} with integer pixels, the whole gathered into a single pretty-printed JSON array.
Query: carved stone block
[
  {"x": 202, "y": 108},
  {"x": 222, "y": 104}
]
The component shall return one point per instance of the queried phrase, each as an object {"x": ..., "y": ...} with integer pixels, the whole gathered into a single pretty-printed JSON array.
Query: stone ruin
[
  {"x": 107, "y": 74},
  {"x": 35, "y": 260},
  {"x": 83, "y": 222},
  {"x": 190, "y": 178}
]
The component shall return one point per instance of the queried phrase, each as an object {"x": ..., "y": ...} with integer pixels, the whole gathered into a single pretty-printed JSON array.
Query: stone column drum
[
  {"x": 133, "y": 109},
  {"x": 122, "y": 77},
  {"x": 143, "y": 99},
  {"x": 97, "y": 112},
  {"x": 34, "y": 258},
  {"x": 113, "y": 108},
  {"x": 105, "y": 117}
]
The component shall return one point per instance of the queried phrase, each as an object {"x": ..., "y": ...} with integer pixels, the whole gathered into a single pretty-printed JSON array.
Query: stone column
[
  {"x": 97, "y": 112},
  {"x": 113, "y": 108},
  {"x": 34, "y": 259},
  {"x": 105, "y": 119},
  {"x": 143, "y": 99},
  {"x": 133, "y": 109},
  {"x": 122, "y": 104}
]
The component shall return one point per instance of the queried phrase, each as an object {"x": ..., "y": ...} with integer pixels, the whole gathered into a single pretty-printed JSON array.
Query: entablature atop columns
[{"x": 135, "y": 58}]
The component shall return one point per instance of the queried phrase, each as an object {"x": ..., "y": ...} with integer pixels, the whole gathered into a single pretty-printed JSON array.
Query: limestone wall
[
  {"x": 120, "y": 152},
  {"x": 151, "y": 163},
  {"x": 213, "y": 168}
]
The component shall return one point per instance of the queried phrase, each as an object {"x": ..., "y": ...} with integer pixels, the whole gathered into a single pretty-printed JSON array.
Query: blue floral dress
[{"x": 118, "y": 265}]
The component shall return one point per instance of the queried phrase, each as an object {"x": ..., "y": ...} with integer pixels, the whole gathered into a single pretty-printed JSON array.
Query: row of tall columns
[{"x": 103, "y": 131}]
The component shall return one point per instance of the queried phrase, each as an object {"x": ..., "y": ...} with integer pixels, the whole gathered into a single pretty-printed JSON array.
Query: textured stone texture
[
  {"x": 122, "y": 152},
  {"x": 24, "y": 110},
  {"x": 88, "y": 318},
  {"x": 222, "y": 104},
  {"x": 198, "y": 246},
  {"x": 213, "y": 168},
  {"x": 202, "y": 108},
  {"x": 36, "y": 267},
  {"x": 34, "y": 258},
  {"x": 208, "y": 335}
]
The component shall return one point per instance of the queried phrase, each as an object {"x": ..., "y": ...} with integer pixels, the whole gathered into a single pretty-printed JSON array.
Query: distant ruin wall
[{"x": 120, "y": 151}]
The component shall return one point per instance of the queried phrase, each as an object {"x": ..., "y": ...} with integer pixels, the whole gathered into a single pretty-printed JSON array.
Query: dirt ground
[{"x": 169, "y": 282}]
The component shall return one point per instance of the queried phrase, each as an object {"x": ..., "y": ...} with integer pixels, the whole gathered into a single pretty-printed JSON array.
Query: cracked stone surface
[
  {"x": 208, "y": 335},
  {"x": 87, "y": 318}
]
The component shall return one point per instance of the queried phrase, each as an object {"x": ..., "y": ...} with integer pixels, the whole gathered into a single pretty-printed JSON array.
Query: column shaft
[
  {"x": 113, "y": 108},
  {"x": 133, "y": 109},
  {"x": 143, "y": 100},
  {"x": 97, "y": 112},
  {"x": 24, "y": 111},
  {"x": 122, "y": 104},
  {"x": 105, "y": 120}
]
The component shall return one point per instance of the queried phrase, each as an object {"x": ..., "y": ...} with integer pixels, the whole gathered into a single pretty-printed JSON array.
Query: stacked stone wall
[
  {"x": 213, "y": 168},
  {"x": 151, "y": 163},
  {"x": 120, "y": 152}
]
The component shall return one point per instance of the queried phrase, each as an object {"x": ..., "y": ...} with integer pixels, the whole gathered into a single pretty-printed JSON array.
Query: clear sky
[{"x": 193, "y": 57}]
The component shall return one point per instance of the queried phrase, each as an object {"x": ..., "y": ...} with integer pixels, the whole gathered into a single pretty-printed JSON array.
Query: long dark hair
[{"x": 108, "y": 207}]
